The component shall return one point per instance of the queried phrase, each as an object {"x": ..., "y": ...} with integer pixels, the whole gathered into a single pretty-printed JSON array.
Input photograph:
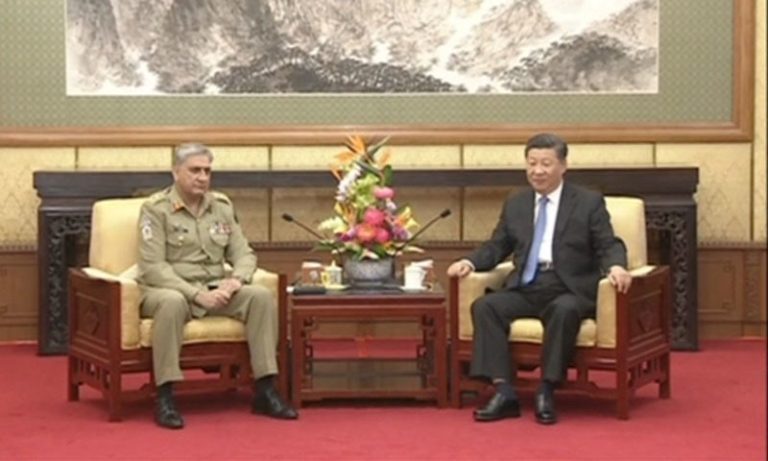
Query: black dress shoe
[
  {"x": 499, "y": 407},
  {"x": 166, "y": 414},
  {"x": 271, "y": 404},
  {"x": 545, "y": 408}
]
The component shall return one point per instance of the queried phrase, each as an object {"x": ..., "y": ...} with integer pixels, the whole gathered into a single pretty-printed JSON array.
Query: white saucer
[
  {"x": 413, "y": 289},
  {"x": 335, "y": 287}
]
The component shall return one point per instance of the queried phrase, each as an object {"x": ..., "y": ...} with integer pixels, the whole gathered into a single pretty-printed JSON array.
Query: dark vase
[{"x": 369, "y": 271}]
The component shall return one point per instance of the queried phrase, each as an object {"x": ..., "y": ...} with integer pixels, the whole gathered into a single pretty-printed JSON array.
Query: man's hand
[
  {"x": 214, "y": 299},
  {"x": 230, "y": 285},
  {"x": 460, "y": 268},
  {"x": 620, "y": 278}
]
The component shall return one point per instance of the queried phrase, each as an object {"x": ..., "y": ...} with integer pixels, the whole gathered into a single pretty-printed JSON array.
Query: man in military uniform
[{"x": 187, "y": 234}]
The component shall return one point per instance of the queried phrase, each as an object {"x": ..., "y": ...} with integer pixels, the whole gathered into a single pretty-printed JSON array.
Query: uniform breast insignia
[{"x": 220, "y": 228}]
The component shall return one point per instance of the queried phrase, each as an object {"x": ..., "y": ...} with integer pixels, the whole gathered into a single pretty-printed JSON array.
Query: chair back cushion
[
  {"x": 628, "y": 220},
  {"x": 115, "y": 234}
]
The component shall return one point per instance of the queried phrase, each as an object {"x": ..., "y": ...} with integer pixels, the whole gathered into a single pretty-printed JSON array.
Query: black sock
[
  {"x": 547, "y": 387},
  {"x": 264, "y": 383},
  {"x": 165, "y": 390},
  {"x": 506, "y": 389}
]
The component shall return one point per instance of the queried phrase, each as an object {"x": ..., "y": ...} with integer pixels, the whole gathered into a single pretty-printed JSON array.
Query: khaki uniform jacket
[{"x": 186, "y": 253}]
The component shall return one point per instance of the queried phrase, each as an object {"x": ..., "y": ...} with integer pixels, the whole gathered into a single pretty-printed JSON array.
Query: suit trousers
[
  {"x": 547, "y": 299},
  {"x": 253, "y": 305}
]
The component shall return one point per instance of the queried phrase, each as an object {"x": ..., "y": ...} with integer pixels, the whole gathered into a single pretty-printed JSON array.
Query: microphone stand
[
  {"x": 335, "y": 253},
  {"x": 443, "y": 214}
]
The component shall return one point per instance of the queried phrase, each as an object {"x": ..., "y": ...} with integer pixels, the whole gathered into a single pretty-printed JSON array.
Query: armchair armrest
[
  {"x": 109, "y": 303},
  {"x": 614, "y": 310},
  {"x": 268, "y": 280},
  {"x": 472, "y": 287}
]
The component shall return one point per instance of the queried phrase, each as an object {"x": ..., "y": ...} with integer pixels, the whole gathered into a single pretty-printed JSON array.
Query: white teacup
[
  {"x": 414, "y": 277},
  {"x": 332, "y": 275}
]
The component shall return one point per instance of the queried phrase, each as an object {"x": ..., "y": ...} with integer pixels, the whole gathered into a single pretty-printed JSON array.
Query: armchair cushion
[
  {"x": 213, "y": 329},
  {"x": 115, "y": 234}
]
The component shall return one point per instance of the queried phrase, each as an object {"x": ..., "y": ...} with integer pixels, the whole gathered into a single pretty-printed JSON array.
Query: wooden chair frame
[
  {"x": 96, "y": 357},
  {"x": 641, "y": 355}
]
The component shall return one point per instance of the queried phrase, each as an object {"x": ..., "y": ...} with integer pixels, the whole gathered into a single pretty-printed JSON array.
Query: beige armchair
[
  {"x": 108, "y": 338},
  {"x": 630, "y": 335}
]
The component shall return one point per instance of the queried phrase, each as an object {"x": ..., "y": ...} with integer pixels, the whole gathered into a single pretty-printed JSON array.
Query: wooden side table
[{"x": 427, "y": 309}]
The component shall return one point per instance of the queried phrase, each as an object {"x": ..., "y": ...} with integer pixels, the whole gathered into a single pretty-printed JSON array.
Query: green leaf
[
  {"x": 375, "y": 148},
  {"x": 387, "y": 174}
]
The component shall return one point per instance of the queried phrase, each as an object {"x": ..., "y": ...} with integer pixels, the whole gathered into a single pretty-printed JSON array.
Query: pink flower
[
  {"x": 348, "y": 236},
  {"x": 374, "y": 217},
  {"x": 366, "y": 233},
  {"x": 383, "y": 193},
  {"x": 382, "y": 235}
]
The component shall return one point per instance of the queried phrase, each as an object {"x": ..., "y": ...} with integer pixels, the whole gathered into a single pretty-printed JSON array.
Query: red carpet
[{"x": 717, "y": 412}]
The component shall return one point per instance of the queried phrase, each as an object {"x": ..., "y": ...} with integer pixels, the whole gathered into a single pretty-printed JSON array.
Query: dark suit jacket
[{"x": 584, "y": 246}]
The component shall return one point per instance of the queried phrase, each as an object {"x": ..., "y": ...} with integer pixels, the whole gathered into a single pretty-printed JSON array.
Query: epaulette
[
  {"x": 159, "y": 196},
  {"x": 218, "y": 196}
]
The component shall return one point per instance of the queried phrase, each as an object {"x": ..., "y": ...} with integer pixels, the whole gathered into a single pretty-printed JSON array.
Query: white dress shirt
[{"x": 545, "y": 250}]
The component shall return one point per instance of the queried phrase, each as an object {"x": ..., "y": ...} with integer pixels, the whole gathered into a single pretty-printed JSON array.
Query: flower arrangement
[{"x": 367, "y": 224}]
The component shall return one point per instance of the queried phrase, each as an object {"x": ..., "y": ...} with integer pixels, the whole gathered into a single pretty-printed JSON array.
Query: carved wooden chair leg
[
  {"x": 622, "y": 393},
  {"x": 73, "y": 388},
  {"x": 455, "y": 381},
  {"x": 665, "y": 386},
  {"x": 114, "y": 403}
]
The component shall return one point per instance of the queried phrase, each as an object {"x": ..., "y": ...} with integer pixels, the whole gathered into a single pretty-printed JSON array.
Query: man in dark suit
[{"x": 562, "y": 243}]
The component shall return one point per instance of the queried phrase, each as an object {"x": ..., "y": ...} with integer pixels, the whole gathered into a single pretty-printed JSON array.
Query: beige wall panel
[
  {"x": 494, "y": 156},
  {"x": 252, "y": 207},
  {"x": 724, "y": 194},
  {"x": 424, "y": 157},
  {"x": 759, "y": 146},
  {"x": 610, "y": 155},
  {"x": 124, "y": 158},
  {"x": 482, "y": 206},
  {"x": 19, "y": 205},
  {"x": 304, "y": 157},
  {"x": 428, "y": 203},
  {"x": 311, "y": 206},
  {"x": 240, "y": 157},
  {"x": 579, "y": 155}
]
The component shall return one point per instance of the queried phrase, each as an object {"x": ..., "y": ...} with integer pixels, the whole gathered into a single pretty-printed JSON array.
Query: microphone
[
  {"x": 291, "y": 219},
  {"x": 443, "y": 214},
  {"x": 335, "y": 248}
]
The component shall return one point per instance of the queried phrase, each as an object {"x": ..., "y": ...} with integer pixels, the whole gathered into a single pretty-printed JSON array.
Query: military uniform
[{"x": 182, "y": 254}]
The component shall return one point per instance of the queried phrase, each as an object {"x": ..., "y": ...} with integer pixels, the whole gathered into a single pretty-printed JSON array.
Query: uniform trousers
[
  {"x": 253, "y": 305},
  {"x": 547, "y": 299}
]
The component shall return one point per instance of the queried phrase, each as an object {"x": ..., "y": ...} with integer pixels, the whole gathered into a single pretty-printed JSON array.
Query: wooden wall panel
[
  {"x": 732, "y": 291},
  {"x": 18, "y": 295}
]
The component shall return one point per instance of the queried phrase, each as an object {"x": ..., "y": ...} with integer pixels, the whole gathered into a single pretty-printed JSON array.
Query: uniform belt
[{"x": 546, "y": 266}]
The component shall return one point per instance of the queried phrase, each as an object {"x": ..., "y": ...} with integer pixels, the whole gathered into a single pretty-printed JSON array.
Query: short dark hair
[{"x": 547, "y": 141}]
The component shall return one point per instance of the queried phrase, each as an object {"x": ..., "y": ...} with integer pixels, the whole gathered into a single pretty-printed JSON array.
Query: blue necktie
[{"x": 532, "y": 263}]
